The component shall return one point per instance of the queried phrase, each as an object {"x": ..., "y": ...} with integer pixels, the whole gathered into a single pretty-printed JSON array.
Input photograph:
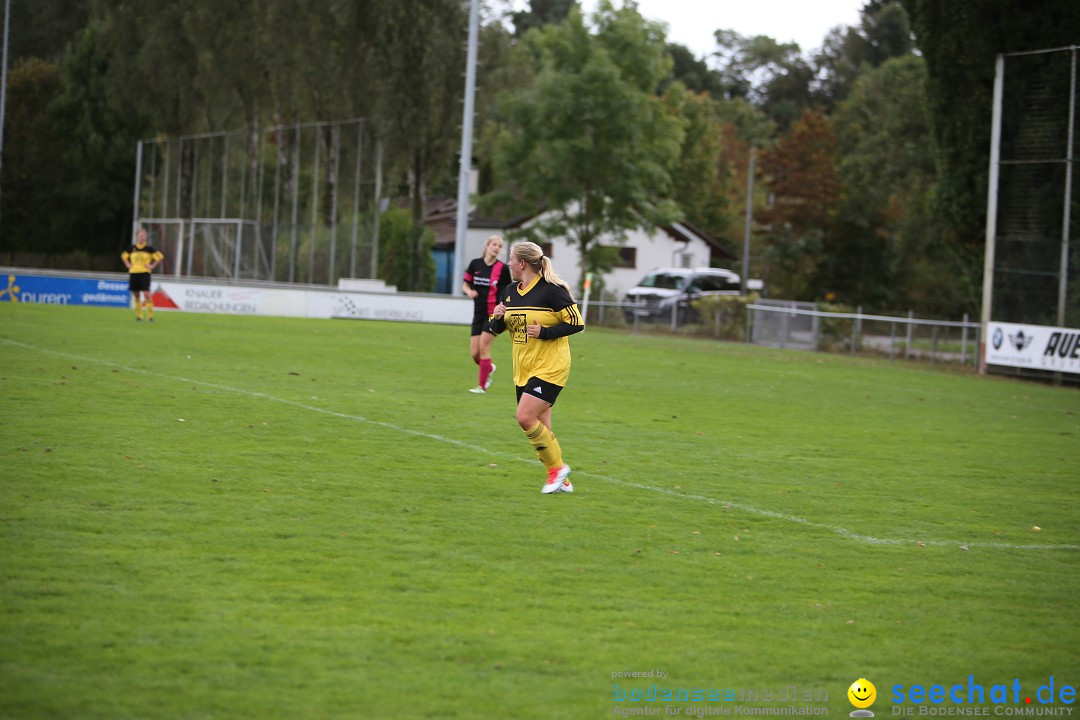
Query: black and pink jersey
[{"x": 479, "y": 276}]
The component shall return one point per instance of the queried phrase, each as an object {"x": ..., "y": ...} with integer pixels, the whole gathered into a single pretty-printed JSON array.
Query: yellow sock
[
  {"x": 546, "y": 446},
  {"x": 149, "y": 304},
  {"x": 138, "y": 309}
]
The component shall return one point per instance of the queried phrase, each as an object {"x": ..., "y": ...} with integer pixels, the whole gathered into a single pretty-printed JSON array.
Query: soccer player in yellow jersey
[
  {"x": 140, "y": 260},
  {"x": 540, "y": 315}
]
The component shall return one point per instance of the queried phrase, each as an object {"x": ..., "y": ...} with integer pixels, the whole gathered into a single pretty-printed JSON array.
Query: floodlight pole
[
  {"x": 465, "y": 159},
  {"x": 1063, "y": 280},
  {"x": 138, "y": 181},
  {"x": 3, "y": 81},
  {"x": 991, "y": 209}
]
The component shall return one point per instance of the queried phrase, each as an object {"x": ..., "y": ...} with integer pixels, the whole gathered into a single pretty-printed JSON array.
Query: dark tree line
[{"x": 872, "y": 149}]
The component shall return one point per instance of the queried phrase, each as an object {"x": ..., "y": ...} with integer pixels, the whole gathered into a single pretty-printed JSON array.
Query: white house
[{"x": 677, "y": 245}]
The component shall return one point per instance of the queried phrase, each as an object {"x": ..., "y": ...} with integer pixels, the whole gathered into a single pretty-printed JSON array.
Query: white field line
[{"x": 726, "y": 504}]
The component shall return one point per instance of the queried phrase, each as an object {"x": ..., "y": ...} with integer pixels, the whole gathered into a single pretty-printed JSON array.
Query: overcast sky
[{"x": 692, "y": 22}]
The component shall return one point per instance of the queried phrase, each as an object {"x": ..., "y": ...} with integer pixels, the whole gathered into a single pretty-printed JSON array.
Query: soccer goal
[
  {"x": 212, "y": 247},
  {"x": 1031, "y": 273}
]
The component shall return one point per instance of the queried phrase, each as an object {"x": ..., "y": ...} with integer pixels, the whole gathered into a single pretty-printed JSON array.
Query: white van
[{"x": 664, "y": 289}]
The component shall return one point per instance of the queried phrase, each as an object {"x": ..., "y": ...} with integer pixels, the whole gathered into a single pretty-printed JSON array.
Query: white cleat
[
  {"x": 556, "y": 480},
  {"x": 478, "y": 390},
  {"x": 492, "y": 373}
]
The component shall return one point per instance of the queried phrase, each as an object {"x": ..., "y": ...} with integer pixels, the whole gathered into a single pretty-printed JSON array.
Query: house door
[{"x": 444, "y": 267}]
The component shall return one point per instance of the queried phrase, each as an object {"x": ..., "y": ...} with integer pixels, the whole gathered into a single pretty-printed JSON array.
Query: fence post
[
  {"x": 855, "y": 328},
  {"x": 910, "y": 328},
  {"x": 933, "y": 344},
  {"x": 963, "y": 342},
  {"x": 892, "y": 340}
]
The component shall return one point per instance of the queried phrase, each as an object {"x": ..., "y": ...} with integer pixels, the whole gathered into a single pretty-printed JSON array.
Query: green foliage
[
  {"x": 724, "y": 316},
  {"x": 93, "y": 200},
  {"x": 418, "y": 65},
  {"x": 834, "y": 333},
  {"x": 883, "y": 33},
  {"x": 539, "y": 14},
  {"x": 960, "y": 42},
  {"x": 588, "y": 138},
  {"x": 43, "y": 28},
  {"x": 693, "y": 72},
  {"x": 800, "y": 170},
  {"x": 405, "y": 258},
  {"x": 31, "y": 169},
  {"x": 306, "y": 523},
  {"x": 884, "y": 237},
  {"x": 772, "y": 75},
  {"x": 701, "y": 179}
]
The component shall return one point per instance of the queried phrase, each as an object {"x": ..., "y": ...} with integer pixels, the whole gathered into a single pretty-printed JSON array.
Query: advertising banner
[
  {"x": 219, "y": 299},
  {"x": 1037, "y": 347},
  {"x": 64, "y": 291}
]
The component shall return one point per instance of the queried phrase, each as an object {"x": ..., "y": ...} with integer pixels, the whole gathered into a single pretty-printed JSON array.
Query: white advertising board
[
  {"x": 355, "y": 299},
  {"x": 1036, "y": 347}
]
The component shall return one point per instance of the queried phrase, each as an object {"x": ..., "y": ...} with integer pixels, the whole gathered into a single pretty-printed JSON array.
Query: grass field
[{"x": 246, "y": 517}]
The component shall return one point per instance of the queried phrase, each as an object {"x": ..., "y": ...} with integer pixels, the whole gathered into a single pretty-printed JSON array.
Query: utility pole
[
  {"x": 749, "y": 222},
  {"x": 465, "y": 159},
  {"x": 3, "y": 81}
]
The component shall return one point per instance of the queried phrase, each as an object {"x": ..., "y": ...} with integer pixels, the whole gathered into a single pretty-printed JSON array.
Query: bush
[{"x": 724, "y": 316}]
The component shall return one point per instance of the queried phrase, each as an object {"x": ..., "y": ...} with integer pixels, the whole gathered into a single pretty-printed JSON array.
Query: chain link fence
[
  {"x": 802, "y": 326},
  {"x": 291, "y": 203}
]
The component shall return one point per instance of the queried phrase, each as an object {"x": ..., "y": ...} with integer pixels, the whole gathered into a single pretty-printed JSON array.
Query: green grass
[{"x": 236, "y": 517}]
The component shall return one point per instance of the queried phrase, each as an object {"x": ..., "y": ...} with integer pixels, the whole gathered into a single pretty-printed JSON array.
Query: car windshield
[{"x": 668, "y": 281}]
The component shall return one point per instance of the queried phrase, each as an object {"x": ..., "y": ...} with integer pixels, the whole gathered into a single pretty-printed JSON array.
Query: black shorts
[
  {"x": 139, "y": 282},
  {"x": 548, "y": 392},
  {"x": 479, "y": 322}
]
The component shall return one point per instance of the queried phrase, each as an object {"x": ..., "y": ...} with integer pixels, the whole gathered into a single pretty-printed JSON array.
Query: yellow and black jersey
[
  {"x": 548, "y": 356},
  {"x": 141, "y": 257}
]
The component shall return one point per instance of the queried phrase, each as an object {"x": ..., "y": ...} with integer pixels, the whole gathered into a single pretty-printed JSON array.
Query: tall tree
[
  {"x": 694, "y": 72},
  {"x": 419, "y": 65},
  {"x": 43, "y": 28},
  {"x": 884, "y": 32},
  {"x": 884, "y": 252},
  {"x": 95, "y": 198},
  {"x": 33, "y": 160},
  {"x": 589, "y": 139},
  {"x": 772, "y": 75},
  {"x": 800, "y": 171},
  {"x": 701, "y": 179},
  {"x": 540, "y": 13}
]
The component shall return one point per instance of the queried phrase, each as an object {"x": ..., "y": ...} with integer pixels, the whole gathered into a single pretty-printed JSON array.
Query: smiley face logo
[{"x": 862, "y": 693}]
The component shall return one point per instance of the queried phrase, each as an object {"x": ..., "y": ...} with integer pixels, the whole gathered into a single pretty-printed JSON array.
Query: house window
[
  {"x": 686, "y": 260},
  {"x": 627, "y": 258},
  {"x": 546, "y": 248}
]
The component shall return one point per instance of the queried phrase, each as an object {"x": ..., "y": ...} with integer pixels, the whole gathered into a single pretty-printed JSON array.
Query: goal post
[{"x": 1031, "y": 267}]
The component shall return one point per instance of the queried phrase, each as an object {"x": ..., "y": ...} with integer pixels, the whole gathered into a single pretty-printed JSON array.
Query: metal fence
[
  {"x": 293, "y": 203},
  {"x": 800, "y": 325},
  {"x": 1032, "y": 264}
]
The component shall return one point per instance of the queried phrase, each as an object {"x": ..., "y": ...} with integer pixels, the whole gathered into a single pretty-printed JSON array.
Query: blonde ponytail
[
  {"x": 534, "y": 257},
  {"x": 549, "y": 274}
]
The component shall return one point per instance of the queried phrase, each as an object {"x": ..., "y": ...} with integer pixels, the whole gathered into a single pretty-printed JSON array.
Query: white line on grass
[{"x": 842, "y": 532}]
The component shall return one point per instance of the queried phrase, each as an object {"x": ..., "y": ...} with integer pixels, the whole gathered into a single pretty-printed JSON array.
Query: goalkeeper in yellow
[
  {"x": 540, "y": 315},
  {"x": 140, "y": 260}
]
